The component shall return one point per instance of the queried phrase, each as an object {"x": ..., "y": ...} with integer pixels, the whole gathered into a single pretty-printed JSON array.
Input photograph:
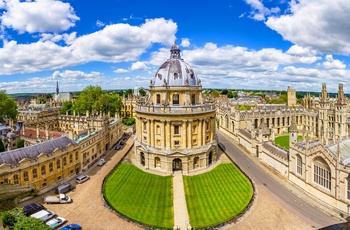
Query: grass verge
[
  {"x": 140, "y": 196},
  {"x": 216, "y": 196}
]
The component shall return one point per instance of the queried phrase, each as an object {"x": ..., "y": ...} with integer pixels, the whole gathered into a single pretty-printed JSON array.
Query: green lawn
[
  {"x": 216, "y": 196},
  {"x": 283, "y": 141},
  {"x": 141, "y": 196}
]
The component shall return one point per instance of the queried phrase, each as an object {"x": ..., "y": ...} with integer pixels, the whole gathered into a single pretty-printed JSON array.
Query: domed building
[{"x": 175, "y": 126}]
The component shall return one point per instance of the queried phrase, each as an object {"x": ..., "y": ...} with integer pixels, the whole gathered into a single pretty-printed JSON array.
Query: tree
[
  {"x": 29, "y": 223},
  {"x": 2, "y": 146},
  {"x": 142, "y": 92},
  {"x": 20, "y": 143},
  {"x": 215, "y": 93},
  {"x": 67, "y": 106},
  {"x": 87, "y": 99},
  {"x": 10, "y": 218},
  {"x": 8, "y": 107},
  {"x": 129, "y": 92}
]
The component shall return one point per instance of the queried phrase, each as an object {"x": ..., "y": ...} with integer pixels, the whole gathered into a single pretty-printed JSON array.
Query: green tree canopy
[
  {"x": 142, "y": 92},
  {"x": 20, "y": 143},
  {"x": 29, "y": 223},
  {"x": 8, "y": 107},
  {"x": 2, "y": 146},
  {"x": 67, "y": 107},
  {"x": 93, "y": 98}
]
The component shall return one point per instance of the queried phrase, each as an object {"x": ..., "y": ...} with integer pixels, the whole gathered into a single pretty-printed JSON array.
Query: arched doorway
[
  {"x": 210, "y": 158},
  {"x": 177, "y": 164},
  {"x": 142, "y": 158}
]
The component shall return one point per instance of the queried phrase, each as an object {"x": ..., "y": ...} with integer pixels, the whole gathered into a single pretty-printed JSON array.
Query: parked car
[
  {"x": 43, "y": 215},
  {"x": 72, "y": 227},
  {"x": 64, "y": 188},
  {"x": 32, "y": 208},
  {"x": 117, "y": 147},
  {"x": 82, "y": 178},
  {"x": 101, "y": 162},
  {"x": 56, "y": 222}
]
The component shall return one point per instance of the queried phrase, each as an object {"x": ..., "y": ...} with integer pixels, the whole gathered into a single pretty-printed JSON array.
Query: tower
[
  {"x": 175, "y": 126},
  {"x": 340, "y": 114},
  {"x": 291, "y": 97},
  {"x": 57, "y": 89}
]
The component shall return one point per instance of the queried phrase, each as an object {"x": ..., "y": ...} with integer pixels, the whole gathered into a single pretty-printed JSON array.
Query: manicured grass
[
  {"x": 216, "y": 196},
  {"x": 283, "y": 141},
  {"x": 141, "y": 196}
]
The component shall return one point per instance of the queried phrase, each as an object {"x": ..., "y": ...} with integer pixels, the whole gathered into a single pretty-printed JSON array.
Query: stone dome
[{"x": 175, "y": 71}]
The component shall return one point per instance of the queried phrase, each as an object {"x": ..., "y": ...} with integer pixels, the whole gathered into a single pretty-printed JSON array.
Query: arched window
[
  {"x": 196, "y": 162},
  {"x": 142, "y": 158},
  {"x": 322, "y": 173},
  {"x": 299, "y": 165},
  {"x": 156, "y": 162}
]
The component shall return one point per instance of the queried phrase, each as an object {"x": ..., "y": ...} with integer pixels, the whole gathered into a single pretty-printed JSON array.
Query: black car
[{"x": 32, "y": 208}]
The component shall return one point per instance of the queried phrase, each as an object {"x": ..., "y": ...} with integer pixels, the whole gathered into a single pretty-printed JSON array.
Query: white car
[
  {"x": 55, "y": 223},
  {"x": 101, "y": 162},
  {"x": 81, "y": 178}
]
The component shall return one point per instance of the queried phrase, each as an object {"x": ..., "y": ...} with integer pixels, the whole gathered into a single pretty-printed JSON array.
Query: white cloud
[
  {"x": 259, "y": 11},
  {"x": 185, "y": 42},
  {"x": 138, "y": 66},
  {"x": 322, "y": 25},
  {"x": 99, "y": 23},
  {"x": 114, "y": 43},
  {"x": 121, "y": 70},
  {"x": 33, "y": 16},
  {"x": 330, "y": 63}
]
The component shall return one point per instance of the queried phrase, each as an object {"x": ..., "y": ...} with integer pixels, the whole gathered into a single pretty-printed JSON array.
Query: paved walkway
[{"x": 180, "y": 207}]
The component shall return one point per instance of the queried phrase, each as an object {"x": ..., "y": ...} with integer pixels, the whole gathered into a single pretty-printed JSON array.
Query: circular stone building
[{"x": 175, "y": 125}]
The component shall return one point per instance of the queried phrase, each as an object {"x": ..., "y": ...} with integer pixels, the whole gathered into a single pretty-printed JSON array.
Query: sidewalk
[{"x": 181, "y": 220}]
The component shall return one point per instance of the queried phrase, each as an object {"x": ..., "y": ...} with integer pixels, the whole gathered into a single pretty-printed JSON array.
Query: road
[{"x": 262, "y": 177}]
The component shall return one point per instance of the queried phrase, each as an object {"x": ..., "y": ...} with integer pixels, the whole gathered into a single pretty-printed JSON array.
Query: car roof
[{"x": 81, "y": 176}]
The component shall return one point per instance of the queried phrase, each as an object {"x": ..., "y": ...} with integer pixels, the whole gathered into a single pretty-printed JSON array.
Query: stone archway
[
  {"x": 177, "y": 164},
  {"x": 210, "y": 158},
  {"x": 142, "y": 159}
]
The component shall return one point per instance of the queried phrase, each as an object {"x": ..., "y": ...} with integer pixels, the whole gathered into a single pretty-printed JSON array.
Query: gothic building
[
  {"x": 175, "y": 126},
  {"x": 319, "y": 163}
]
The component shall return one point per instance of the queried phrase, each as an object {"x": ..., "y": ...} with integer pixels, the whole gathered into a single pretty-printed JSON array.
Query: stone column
[
  {"x": 149, "y": 131},
  {"x": 152, "y": 133},
  {"x": 184, "y": 139},
  {"x": 189, "y": 143},
  {"x": 168, "y": 135},
  {"x": 163, "y": 144},
  {"x": 200, "y": 132}
]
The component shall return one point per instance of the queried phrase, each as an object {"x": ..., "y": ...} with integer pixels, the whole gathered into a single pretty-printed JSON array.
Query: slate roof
[{"x": 14, "y": 157}]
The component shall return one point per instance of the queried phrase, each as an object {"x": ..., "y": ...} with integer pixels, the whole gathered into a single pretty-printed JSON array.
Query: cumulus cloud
[
  {"x": 121, "y": 70},
  {"x": 185, "y": 42},
  {"x": 114, "y": 43},
  {"x": 259, "y": 11},
  {"x": 138, "y": 66},
  {"x": 32, "y": 16},
  {"x": 331, "y": 63},
  {"x": 327, "y": 30}
]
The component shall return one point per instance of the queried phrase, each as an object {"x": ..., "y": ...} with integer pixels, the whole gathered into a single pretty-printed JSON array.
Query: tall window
[
  {"x": 51, "y": 167},
  {"x": 15, "y": 179},
  {"x": 35, "y": 173},
  {"x": 58, "y": 164},
  {"x": 299, "y": 165},
  {"x": 176, "y": 99},
  {"x": 322, "y": 173},
  {"x": 158, "y": 98},
  {"x": 144, "y": 126},
  {"x": 193, "y": 99},
  {"x": 64, "y": 161},
  {"x": 176, "y": 130},
  {"x": 25, "y": 176},
  {"x": 43, "y": 170},
  {"x": 71, "y": 158}
]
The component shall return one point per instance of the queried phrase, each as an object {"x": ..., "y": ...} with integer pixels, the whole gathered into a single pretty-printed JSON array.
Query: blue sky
[{"x": 119, "y": 44}]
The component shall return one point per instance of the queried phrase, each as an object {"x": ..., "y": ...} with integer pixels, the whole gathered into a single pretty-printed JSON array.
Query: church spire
[
  {"x": 57, "y": 89},
  {"x": 175, "y": 52}
]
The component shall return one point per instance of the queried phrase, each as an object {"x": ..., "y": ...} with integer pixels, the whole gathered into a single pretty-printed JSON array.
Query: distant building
[
  {"x": 292, "y": 97},
  {"x": 59, "y": 97}
]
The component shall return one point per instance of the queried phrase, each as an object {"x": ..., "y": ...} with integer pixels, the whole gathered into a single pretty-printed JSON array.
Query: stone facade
[
  {"x": 319, "y": 163},
  {"x": 175, "y": 127}
]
